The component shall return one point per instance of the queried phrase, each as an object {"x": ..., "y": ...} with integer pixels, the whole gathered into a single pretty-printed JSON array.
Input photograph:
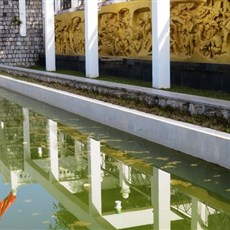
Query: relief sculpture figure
[
  {"x": 108, "y": 29},
  {"x": 200, "y": 30},
  {"x": 77, "y": 42},
  {"x": 142, "y": 33},
  {"x": 123, "y": 41}
]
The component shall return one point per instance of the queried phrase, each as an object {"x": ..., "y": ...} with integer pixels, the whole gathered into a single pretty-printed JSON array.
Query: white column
[
  {"x": 91, "y": 39},
  {"x": 22, "y": 17},
  {"x": 57, "y": 6},
  {"x": 161, "y": 43},
  {"x": 75, "y": 3},
  {"x": 95, "y": 177},
  {"x": 161, "y": 199},
  {"x": 26, "y": 134},
  {"x": 53, "y": 150},
  {"x": 48, "y": 6}
]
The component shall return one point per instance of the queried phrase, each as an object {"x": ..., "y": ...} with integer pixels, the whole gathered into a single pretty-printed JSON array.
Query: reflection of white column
[
  {"x": 53, "y": 149},
  {"x": 91, "y": 39},
  {"x": 26, "y": 134},
  {"x": 160, "y": 44},
  {"x": 14, "y": 181},
  {"x": 22, "y": 17},
  {"x": 198, "y": 214},
  {"x": 77, "y": 150},
  {"x": 78, "y": 155},
  {"x": 161, "y": 199},
  {"x": 125, "y": 177},
  {"x": 49, "y": 35},
  {"x": 102, "y": 166},
  {"x": 95, "y": 177}
]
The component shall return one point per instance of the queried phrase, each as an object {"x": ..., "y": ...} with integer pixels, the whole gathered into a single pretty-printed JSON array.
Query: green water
[{"x": 62, "y": 171}]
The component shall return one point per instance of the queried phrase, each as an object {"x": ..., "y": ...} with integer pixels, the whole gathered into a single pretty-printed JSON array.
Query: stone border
[
  {"x": 204, "y": 143},
  {"x": 192, "y": 104}
]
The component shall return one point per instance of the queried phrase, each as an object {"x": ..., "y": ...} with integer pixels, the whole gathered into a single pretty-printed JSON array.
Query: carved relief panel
[
  {"x": 199, "y": 30},
  {"x": 69, "y": 33},
  {"x": 125, "y": 30}
]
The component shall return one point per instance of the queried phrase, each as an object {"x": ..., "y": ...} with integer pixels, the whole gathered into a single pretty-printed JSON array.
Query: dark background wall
[{"x": 188, "y": 74}]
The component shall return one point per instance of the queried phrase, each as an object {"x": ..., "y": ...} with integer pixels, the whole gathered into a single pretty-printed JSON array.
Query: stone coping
[{"x": 194, "y": 104}]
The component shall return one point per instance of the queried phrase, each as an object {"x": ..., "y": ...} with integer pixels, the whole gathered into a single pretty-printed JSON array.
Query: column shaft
[
  {"x": 161, "y": 43},
  {"x": 48, "y": 6},
  {"x": 91, "y": 39}
]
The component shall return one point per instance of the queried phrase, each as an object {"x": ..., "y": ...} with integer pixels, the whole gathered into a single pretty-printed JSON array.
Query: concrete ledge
[
  {"x": 192, "y": 104},
  {"x": 207, "y": 144}
]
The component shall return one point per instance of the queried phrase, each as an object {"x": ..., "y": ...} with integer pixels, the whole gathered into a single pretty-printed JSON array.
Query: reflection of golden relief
[{"x": 199, "y": 30}]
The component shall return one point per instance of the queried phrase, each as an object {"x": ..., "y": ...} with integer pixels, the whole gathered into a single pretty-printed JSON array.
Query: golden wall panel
[
  {"x": 199, "y": 31},
  {"x": 69, "y": 33}
]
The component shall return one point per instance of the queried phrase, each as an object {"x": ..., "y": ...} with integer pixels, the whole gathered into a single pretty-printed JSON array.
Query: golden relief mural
[
  {"x": 69, "y": 33},
  {"x": 199, "y": 31}
]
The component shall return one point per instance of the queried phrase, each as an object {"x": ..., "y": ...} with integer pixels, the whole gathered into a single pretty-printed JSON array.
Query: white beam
[
  {"x": 91, "y": 39},
  {"x": 161, "y": 43},
  {"x": 48, "y": 6},
  {"x": 22, "y": 17}
]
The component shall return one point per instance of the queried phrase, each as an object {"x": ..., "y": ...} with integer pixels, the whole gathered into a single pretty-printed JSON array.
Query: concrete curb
[
  {"x": 204, "y": 143},
  {"x": 192, "y": 104}
]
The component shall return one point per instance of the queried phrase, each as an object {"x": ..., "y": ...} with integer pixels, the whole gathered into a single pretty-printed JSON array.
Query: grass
[
  {"x": 101, "y": 77},
  {"x": 201, "y": 92}
]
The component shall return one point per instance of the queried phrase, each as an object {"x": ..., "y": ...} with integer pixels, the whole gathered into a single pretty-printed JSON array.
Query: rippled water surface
[{"x": 62, "y": 171}]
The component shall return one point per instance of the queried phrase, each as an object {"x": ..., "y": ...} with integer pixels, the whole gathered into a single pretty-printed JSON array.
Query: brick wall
[{"x": 16, "y": 50}]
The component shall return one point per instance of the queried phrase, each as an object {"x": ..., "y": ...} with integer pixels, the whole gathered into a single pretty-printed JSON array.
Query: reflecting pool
[{"x": 62, "y": 171}]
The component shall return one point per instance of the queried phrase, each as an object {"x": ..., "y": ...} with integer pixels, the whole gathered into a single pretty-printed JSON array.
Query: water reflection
[{"x": 105, "y": 179}]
